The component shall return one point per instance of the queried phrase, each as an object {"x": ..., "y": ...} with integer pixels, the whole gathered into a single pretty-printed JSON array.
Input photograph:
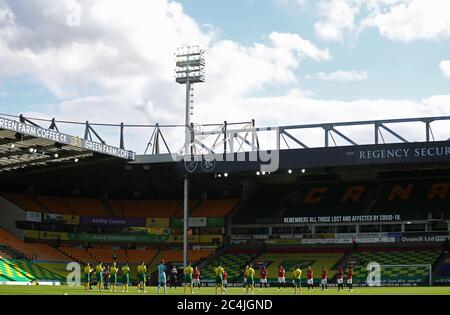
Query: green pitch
[{"x": 65, "y": 290}]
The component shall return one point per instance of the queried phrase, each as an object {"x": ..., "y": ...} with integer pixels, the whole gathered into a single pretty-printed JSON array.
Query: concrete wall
[{"x": 9, "y": 214}]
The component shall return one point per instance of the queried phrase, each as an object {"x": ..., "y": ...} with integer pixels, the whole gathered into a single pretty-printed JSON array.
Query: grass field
[{"x": 63, "y": 290}]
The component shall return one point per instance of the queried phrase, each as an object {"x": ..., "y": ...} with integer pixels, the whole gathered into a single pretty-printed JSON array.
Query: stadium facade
[{"x": 66, "y": 198}]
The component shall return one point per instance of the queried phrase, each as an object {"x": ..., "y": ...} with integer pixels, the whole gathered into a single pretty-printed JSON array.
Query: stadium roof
[{"x": 24, "y": 144}]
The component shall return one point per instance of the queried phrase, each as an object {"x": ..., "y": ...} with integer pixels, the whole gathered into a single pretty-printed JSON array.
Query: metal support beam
[
  {"x": 377, "y": 133},
  {"x": 284, "y": 132},
  {"x": 122, "y": 141},
  {"x": 344, "y": 136},
  {"x": 392, "y": 132}
]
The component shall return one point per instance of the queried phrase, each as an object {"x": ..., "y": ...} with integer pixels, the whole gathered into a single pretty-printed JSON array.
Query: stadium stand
[
  {"x": 4, "y": 255},
  {"x": 395, "y": 256},
  {"x": 87, "y": 207},
  {"x": 137, "y": 256},
  {"x": 215, "y": 208},
  {"x": 107, "y": 254},
  {"x": 33, "y": 251},
  {"x": 176, "y": 256},
  {"x": 23, "y": 201},
  {"x": 55, "y": 205},
  {"x": 77, "y": 253},
  {"x": 22, "y": 270},
  {"x": 145, "y": 208}
]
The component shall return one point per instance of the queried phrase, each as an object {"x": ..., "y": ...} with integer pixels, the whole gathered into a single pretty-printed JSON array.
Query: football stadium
[{"x": 81, "y": 217}]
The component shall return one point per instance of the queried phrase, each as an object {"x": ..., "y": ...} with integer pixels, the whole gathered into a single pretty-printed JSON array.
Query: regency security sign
[
  {"x": 62, "y": 138},
  {"x": 404, "y": 153}
]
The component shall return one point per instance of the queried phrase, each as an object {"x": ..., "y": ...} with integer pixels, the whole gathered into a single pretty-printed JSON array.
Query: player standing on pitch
[
  {"x": 219, "y": 278},
  {"x": 125, "y": 277},
  {"x": 113, "y": 270},
  {"x": 310, "y": 278},
  {"x": 251, "y": 279},
  {"x": 225, "y": 280},
  {"x": 350, "y": 279},
  {"x": 162, "y": 278},
  {"x": 142, "y": 275},
  {"x": 297, "y": 279},
  {"x": 196, "y": 277},
  {"x": 244, "y": 274},
  {"x": 340, "y": 279},
  {"x": 99, "y": 275},
  {"x": 173, "y": 277},
  {"x": 188, "y": 271},
  {"x": 324, "y": 281},
  {"x": 281, "y": 277},
  {"x": 87, "y": 276},
  {"x": 263, "y": 275}
]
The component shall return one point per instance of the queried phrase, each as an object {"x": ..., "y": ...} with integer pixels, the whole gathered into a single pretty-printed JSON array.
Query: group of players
[
  {"x": 107, "y": 278},
  {"x": 249, "y": 279}
]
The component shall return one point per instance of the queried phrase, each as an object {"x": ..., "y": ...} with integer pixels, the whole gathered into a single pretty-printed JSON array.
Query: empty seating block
[
  {"x": 215, "y": 208},
  {"x": 22, "y": 270},
  {"x": 78, "y": 254},
  {"x": 407, "y": 273},
  {"x": 137, "y": 256},
  {"x": 38, "y": 251},
  {"x": 4, "y": 255},
  {"x": 176, "y": 256},
  {"x": 145, "y": 208},
  {"x": 108, "y": 255},
  {"x": 9, "y": 273},
  {"x": 88, "y": 207},
  {"x": 23, "y": 201},
  {"x": 55, "y": 205}
]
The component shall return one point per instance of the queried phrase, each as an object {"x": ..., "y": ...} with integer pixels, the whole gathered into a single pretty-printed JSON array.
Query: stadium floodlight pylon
[{"x": 190, "y": 69}]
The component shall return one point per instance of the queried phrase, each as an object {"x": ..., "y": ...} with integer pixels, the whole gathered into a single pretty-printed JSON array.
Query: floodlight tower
[{"x": 190, "y": 69}]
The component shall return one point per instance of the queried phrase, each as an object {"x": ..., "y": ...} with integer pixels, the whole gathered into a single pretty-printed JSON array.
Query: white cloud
[
  {"x": 445, "y": 68},
  {"x": 412, "y": 20},
  {"x": 338, "y": 19},
  {"x": 396, "y": 20},
  {"x": 340, "y": 76},
  {"x": 112, "y": 61}
]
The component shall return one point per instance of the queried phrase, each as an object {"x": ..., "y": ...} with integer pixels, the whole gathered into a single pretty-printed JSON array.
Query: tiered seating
[
  {"x": 36, "y": 272},
  {"x": 180, "y": 211},
  {"x": 23, "y": 201},
  {"x": 9, "y": 273},
  {"x": 108, "y": 255},
  {"x": 37, "y": 251},
  {"x": 145, "y": 208},
  {"x": 215, "y": 208},
  {"x": 233, "y": 262},
  {"x": 55, "y": 205},
  {"x": 176, "y": 256},
  {"x": 77, "y": 253},
  {"x": 137, "y": 256},
  {"x": 410, "y": 274},
  {"x": 87, "y": 207},
  {"x": 117, "y": 208},
  {"x": 4, "y": 255},
  {"x": 304, "y": 259}
]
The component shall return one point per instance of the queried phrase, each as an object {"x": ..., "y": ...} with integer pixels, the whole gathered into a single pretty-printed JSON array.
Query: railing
[{"x": 245, "y": 136}]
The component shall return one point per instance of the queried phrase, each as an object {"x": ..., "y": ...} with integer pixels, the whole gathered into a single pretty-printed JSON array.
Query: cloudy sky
[{"x": 276, "y": 61}]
